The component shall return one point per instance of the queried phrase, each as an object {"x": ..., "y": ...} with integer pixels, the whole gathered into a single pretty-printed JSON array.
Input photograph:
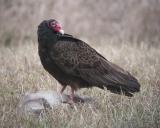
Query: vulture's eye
[{"x": 53, "y": 24}]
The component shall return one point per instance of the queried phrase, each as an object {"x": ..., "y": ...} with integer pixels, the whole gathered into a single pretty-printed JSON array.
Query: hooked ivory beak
[{"x": 61, "y": 31}]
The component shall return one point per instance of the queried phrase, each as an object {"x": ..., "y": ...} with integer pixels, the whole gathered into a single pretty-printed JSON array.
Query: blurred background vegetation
[
  {"x": 102, "y": 23},
  {"x": 128, "y": 20}
]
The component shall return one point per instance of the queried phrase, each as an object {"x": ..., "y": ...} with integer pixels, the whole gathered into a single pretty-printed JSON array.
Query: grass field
[{"x": 21, "y": 71}]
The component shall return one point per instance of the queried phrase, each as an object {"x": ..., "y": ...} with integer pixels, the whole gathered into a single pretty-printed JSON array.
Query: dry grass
[
  {"x": 21, "y": 71},
  {"x": 133, "y": 20}
]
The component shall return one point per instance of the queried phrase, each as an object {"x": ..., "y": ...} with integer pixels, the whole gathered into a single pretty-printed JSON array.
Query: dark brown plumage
[{"x": 73, "y": 62}]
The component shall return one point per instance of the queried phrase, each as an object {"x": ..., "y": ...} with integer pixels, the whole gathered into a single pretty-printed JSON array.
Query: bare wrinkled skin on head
[{"x": 56, "y": 26}]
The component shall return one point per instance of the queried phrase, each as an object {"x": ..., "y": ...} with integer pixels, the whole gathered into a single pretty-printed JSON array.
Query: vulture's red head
[
  {"x": 55, "y": 25},
  {"x": 52, "y": 25}
]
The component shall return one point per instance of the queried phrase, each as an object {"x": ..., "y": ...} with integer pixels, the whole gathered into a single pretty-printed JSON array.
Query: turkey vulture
[{"x": 73, "y": 62}]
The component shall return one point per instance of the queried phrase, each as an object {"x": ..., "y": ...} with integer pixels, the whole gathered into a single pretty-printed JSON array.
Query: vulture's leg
[
  {"x": 63, "y": 88},
  {"x": 72, "y": 94},
  {"x": 73, "y": 98}
]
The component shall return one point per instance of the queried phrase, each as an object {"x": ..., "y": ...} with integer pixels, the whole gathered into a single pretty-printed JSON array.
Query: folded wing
[{"x": 76, "y": 58}]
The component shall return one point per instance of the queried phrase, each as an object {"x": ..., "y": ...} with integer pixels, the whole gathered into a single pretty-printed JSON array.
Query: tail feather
[
  {"x": 121, "y": 81},
  {"x": 127, "y": 89}
]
